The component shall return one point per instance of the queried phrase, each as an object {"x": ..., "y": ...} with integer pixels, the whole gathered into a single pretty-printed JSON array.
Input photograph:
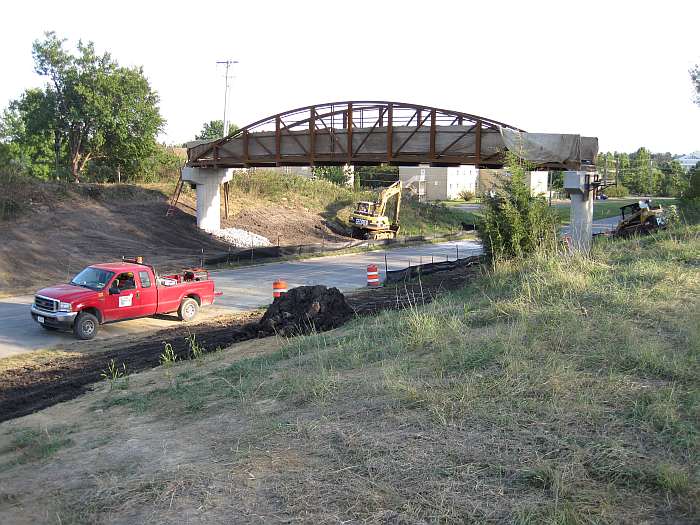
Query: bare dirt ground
[{"x": 59, "y": 234}]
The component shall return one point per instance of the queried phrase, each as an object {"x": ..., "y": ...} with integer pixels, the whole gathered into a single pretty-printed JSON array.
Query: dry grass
[{"x": 556, "y": 390}]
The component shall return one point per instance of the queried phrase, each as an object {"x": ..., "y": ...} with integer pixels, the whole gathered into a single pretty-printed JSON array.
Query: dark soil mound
[{"x": 304, "y": 309}]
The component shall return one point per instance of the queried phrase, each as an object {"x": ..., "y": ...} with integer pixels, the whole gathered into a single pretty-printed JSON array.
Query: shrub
[
  {"x": 514, "y": 223},
  {"x": 466, "y": 195},
  {"x": 617, "y": 191}
]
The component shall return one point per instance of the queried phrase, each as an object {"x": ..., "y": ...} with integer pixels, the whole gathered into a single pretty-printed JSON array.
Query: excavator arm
[{"x": 386, "y": 194}]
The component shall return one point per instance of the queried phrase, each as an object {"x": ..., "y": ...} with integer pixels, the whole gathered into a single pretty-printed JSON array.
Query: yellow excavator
[{"x": 369, "y": 220}]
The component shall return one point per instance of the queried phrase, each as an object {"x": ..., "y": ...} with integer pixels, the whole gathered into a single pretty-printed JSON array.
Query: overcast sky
[{"x": 615, "y": 70}]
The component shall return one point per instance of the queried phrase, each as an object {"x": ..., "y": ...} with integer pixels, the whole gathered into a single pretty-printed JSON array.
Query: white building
[
  {"x": 538, "y": 182},
  {"x": 436, "y": 184},
  {"x": 689, "y": 161}
]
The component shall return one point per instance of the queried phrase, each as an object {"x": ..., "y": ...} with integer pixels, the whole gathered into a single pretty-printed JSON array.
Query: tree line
[{"x": 645, "y": 173}]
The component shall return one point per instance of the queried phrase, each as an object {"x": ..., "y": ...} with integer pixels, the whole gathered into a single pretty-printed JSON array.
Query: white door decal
[{"x": 125, "y": 300}]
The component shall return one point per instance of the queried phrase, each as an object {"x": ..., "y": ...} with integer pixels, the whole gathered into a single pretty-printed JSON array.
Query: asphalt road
[
  {"x": 599, "y": 225},
  {"x": 244, "y": 289}
]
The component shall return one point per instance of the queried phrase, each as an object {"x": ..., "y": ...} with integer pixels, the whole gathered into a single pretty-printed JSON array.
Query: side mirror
[{"x": 114, "y": 291}]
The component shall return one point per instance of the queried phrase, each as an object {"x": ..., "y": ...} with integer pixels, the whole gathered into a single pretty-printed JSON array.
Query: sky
[{"x": 614, "y": 70}]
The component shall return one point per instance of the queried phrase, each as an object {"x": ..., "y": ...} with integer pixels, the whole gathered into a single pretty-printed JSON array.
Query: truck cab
[{"x": 111, "y": 292}]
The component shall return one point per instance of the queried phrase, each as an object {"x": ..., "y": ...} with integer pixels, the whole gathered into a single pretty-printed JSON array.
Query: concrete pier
[
  {"x": 208, "y": 183},
  {"x": 577, "y": 183}
]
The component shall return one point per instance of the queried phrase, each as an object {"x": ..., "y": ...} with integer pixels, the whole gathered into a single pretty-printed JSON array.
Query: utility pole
[{"x": 228, "y": 64}]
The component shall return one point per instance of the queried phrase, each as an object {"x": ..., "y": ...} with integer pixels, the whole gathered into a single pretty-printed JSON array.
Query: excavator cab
[{"x": 370, "y": 220}]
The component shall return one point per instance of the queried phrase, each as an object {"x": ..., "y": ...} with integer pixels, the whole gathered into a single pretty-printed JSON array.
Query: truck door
[
  {"x": 148, "y": 294},
  {"x": 126, "y": 303}
]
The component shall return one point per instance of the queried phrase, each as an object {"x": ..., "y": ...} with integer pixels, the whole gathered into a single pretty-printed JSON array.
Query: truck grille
[{"x": 44, "y": 303}]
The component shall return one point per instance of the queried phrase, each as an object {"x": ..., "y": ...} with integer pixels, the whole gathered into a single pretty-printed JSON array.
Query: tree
[
  {"x": 514, "y": 223},
  {"x": 214, "y": 129},
  {"x": 642, "y": 180},
  {"x": 26, "y": 136},
  {"x": 90, "y": 108},
  {"x": 335, "y": 174},
  {"x": 623, "y": 169},
  {"x": 674, "y": 180},
  {"x": 695, "y": 78},
  {"x": 693, "y": 191}
]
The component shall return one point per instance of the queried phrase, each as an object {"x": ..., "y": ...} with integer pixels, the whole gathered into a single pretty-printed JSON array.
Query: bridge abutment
[{"x": 208, "y": 183}]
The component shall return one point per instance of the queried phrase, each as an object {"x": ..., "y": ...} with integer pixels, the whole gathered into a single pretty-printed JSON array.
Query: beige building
[
  {"x": 488, "y": 179},
  {"x": 436, "y": 184}
]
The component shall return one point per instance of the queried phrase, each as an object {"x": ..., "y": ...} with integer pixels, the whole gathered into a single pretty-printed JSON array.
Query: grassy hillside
[{"x": 556, "y": 390}]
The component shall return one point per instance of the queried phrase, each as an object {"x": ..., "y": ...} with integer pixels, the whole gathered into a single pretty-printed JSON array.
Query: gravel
[{"x": 241, "y": 238}]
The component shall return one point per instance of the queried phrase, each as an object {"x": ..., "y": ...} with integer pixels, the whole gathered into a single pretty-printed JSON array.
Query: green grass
[
  {"x": 31, "y": 445},
  {"x": 551, "y": 390}
]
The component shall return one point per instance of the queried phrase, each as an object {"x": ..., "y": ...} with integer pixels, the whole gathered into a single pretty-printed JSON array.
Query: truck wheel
[
  {"x": 85, "y": 326},
  {"x": 188, "y": 309}
]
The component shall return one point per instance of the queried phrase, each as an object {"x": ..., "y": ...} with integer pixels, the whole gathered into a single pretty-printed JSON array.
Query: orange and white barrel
[
  {"x": 279, "y": 287},
  {"x": 372, "y": 275}
]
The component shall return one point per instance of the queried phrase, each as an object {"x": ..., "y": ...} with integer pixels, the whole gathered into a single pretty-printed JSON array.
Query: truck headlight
[{"x": 64, "y": 307}]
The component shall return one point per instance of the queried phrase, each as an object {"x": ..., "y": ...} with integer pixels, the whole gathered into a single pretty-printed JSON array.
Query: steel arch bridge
[{"x": 358, "y": 133}]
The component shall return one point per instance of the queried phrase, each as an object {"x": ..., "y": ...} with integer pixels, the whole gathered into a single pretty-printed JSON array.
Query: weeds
[
  {"x": 117, "y": 376},
  {"x": 196, "y": 349},
  {"x": 34, "y": 445},
  {"x": 167, "y": 360}
]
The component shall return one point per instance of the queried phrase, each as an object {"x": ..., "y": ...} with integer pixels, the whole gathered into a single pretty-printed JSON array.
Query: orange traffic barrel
[
  {"x": 279, "y": 287},
  {"x": 372, "y": 275}
]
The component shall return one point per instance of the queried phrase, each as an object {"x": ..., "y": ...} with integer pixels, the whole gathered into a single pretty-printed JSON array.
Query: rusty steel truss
[{"x": 358, "y": 133}]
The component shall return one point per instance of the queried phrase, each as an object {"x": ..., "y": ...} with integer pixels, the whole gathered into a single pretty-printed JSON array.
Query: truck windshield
[{"x": 93, "y": 278}]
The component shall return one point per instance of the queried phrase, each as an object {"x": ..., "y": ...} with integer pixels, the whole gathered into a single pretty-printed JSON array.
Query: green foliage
[
  {"x": 467, "y": 195},
  {"x": 557, "y": 180},
  {"x": 695, "y": 78},
  {"x": 673, "y": 180},
  {"x": 335, "y": 174},
  {"x": 514, "y": 223},
  {"x": 643, "y": 181},
  {"x": 376, "y": 176},
  {"x": 693, "y": 189},
  {"x": 617, "y": 191},
  {"x": 90, "y": 109},
  {"x": 214, "y": 129},
  {"x": 116, "y": 375}
]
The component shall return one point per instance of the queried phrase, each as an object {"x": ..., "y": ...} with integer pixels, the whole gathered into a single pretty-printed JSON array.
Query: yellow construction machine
[
  {"x": 369, "y": 220},
  {"x": 640, "y": 217}
]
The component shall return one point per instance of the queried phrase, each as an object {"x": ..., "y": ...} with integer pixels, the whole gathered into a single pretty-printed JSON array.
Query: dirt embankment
[
  {"x": 56, "y": 230},
  {"x": 44, "y": 383}
]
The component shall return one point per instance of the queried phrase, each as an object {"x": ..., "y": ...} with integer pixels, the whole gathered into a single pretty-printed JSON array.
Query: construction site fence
[
  {"x": 238, "y": 255},
  {"x": 413, "y": 272}
]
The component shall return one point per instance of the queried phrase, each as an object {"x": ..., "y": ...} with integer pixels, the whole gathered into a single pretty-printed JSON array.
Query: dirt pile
[{"x": 305, "y": 309}]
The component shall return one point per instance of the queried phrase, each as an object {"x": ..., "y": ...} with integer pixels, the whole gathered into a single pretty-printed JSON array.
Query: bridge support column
[
  {"x": 578, "y": 186},
  {"x": 208, "y": 183}
]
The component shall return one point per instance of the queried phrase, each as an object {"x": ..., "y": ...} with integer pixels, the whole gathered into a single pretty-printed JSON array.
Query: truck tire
[
  {"x": 86, "y": 326},
  {"x": 188, "y": 309}
]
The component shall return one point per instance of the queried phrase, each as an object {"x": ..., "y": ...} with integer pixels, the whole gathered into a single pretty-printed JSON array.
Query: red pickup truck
[{"x": 105, "y": 293}]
